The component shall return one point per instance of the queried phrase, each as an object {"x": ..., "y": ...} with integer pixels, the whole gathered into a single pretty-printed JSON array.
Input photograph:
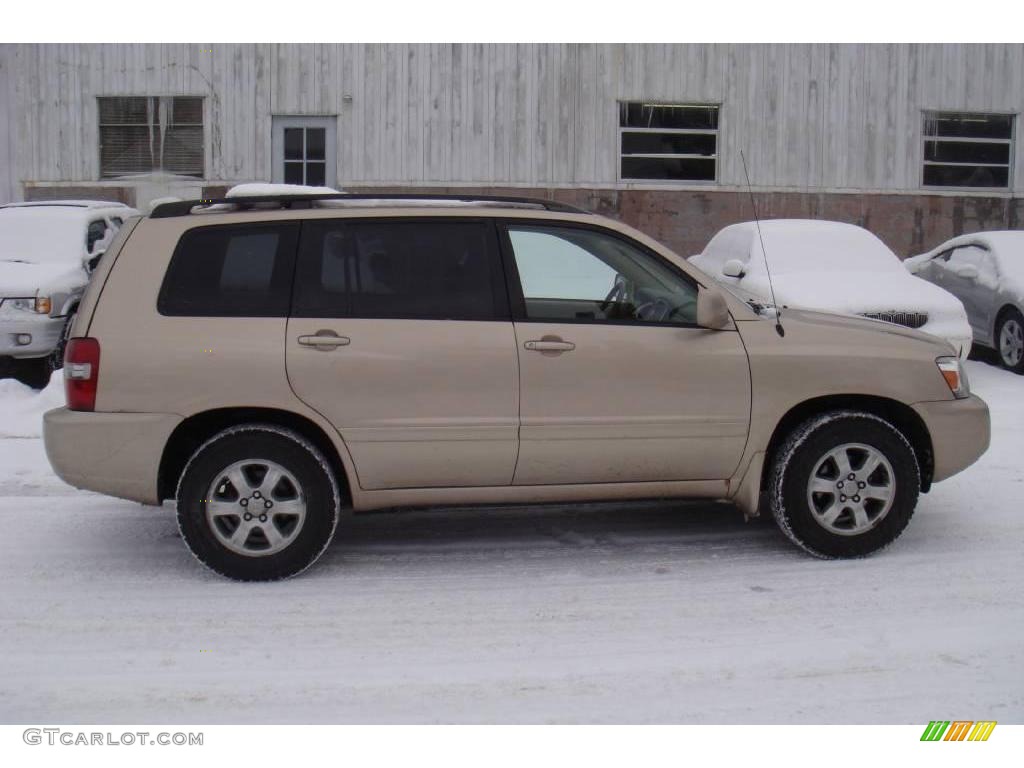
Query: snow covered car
[
  {"x": 835, "y": 267},
  {"x": 47, "y": 252},
  {"x": 986, "y": 272}
]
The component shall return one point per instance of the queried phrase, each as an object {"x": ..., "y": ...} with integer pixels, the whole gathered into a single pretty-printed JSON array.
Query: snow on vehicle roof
[
  {"x": 803, "y": 245},
  {"x": 42, "y": 234},
  {"x": 259, "y": 189},
  {"x": 1006, "y": 247}
]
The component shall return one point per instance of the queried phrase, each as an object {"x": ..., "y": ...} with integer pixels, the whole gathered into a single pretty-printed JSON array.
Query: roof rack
[{"x": 185, "y": 207}]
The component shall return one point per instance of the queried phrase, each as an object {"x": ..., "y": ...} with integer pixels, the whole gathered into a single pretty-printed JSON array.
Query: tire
[
  {"x": 863, "y": 524},
  {"x": 55, "y": 360},
  {"x": 32, "y": 372},
  {"x": 292, "y": 514},
  {"x": 1010, "y": 340}
]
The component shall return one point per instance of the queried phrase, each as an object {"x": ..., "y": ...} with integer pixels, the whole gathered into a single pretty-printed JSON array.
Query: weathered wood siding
[{"x": 808, "y": 117}]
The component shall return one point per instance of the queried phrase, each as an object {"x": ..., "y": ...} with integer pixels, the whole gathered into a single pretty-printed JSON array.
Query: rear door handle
[
  {"x": 325, "y": 340},
  {"x": 549, "y": 345}
]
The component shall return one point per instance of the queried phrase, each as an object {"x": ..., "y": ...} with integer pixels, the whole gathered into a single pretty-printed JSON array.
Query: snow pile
[
  {"x": 22, "y": 408},
  {"x": 260, "y": 189}
]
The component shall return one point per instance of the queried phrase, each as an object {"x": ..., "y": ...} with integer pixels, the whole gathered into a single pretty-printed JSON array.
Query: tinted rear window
[
  {"x": 439, "y": 270},
  {"x": 231, "y": 271}
]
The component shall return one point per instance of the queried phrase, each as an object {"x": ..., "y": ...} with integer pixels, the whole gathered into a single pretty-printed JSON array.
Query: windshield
[
  {"x": 41, "y": 235},
  {"x": 810, "y": 247}
]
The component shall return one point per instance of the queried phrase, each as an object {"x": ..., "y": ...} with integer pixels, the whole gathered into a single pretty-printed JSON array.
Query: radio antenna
[{"x": 757, "y": 222}]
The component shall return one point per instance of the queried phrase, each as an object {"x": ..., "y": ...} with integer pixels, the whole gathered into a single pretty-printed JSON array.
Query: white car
[
  {"x": 47, "y": 251},
  {"x": 986, "y": 272},
  {"x": 835, "y": 267}
]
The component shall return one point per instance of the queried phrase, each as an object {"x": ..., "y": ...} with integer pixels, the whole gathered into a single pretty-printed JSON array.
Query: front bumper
[
  {"x": 113, "y": 453},
  {"x": 44, "y": 330},
  {"x": 960, "y": 431}
]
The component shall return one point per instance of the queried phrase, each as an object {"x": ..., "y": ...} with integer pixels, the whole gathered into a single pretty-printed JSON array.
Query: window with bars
[
  {"x": 151, "y": 134},
  {"x": 670, "y": 142},
  {"x": 963, "y": 149}
]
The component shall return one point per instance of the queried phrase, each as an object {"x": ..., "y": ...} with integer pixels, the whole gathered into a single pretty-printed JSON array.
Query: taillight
[{"x": 81, "y": 371}]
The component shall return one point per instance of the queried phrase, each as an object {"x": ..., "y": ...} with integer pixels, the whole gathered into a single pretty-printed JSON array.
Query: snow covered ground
[{"x": 610, "y": 613}]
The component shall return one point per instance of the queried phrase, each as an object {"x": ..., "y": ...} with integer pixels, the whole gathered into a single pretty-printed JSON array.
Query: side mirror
[
  {"x": 712, "y": 311},
  {"x": 967, "y": 272},
  {"x": 734, "y": 268}
]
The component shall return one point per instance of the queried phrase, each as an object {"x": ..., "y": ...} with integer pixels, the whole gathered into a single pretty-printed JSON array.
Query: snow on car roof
[{"x": 802, "y": 245}]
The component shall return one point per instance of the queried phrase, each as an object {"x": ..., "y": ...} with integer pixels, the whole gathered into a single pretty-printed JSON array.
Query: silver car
[{"x": 985, "y": 271}]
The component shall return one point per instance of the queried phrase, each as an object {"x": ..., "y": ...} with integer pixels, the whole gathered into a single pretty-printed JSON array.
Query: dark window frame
[
  {"x": 310, "y": 251},
  {"x": 283, "y": 272},
  {"x": 517, "y": 300},
  {"x": 714, "y": 132},
  {"x": 934, "y": 116}
]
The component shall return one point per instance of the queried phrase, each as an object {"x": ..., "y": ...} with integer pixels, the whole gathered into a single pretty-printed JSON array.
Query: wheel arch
[
  {"x": 198, "y": 428},
  {"x": 1000, "y": 314},
  {"x": 900, "y": 415}
]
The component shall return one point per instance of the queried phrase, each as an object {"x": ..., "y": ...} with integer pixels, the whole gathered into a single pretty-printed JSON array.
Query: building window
[
  {"x": 671, "y": 142},
  {"x": 151, "y": 134},
  {"x": 304, "y": 150},
  {"x": 963, "y": 149}
]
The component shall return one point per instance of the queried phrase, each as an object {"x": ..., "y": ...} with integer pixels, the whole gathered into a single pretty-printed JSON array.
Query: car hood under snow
[
  {"x": 860, "y": 293},
  {"x": 20, "y": 279}
]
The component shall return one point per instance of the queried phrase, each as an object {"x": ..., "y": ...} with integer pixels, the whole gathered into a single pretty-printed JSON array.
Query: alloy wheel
[
  {"x": 1011, "y": 343},
  {"x": 851, "y": 489},
  {"x": 255, "y": 507}
]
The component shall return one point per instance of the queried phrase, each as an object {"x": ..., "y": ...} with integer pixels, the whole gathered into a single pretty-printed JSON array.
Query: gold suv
[{"x": 270, "y": 362}]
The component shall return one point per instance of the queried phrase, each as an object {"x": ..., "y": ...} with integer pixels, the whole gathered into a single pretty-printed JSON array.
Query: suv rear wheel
[
  {"x": 844, "y": 484},
  {"x": 257, "y": 503}
]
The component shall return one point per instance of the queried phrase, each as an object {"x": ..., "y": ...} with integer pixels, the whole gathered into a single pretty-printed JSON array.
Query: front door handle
[
  {"x": 549, "y": 345},
  {"x": 325, "y": 340}
]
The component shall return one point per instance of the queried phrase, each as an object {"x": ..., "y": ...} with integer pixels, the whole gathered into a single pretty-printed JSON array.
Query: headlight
[
  {"x": 41, "y": 305},
  {"x": 955, "y": 376}
]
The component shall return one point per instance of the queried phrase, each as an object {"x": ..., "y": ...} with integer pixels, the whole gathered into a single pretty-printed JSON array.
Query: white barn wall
[{"x": 809, "y": 117}]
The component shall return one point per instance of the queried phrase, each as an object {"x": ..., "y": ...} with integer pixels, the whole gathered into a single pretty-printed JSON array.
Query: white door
[{"x": 304, "y": 150}]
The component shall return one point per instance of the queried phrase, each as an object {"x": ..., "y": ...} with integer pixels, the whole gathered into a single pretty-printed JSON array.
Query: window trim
[
  {"x": 1011, "y": 161},
  {"x": 206, "y": 150},
  {"x": 517, "y": 300},
  {"x": 717, "y": 133},
  {"x": 500, "y": 291},
  {"x": 278, "y": 123}
]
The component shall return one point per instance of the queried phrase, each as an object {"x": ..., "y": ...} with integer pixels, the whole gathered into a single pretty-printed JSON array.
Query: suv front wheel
[
  {"x": 844, "y": 484},
  {"x": 257, "y": 503}
]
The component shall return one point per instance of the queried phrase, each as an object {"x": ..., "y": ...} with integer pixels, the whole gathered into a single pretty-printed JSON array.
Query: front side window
[
  {"x": 96, "y": 233},
  {"x": 669, "y": 142},
  {"x": 429, "y": 270},
  {"x": 973, "y": 257},
  {"x": 572, "y": 274},
  {"x": 963, "y": 149},
  {"x": 151, "y": 134},
  {"x": 231, "y": 271}
]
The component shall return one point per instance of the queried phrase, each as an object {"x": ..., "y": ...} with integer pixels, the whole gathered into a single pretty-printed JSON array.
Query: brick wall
[{"x": 686, "y": 220}]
